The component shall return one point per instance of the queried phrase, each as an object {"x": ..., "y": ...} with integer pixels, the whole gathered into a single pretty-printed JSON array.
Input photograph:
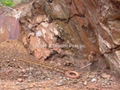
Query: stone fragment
[
  {"x": 39, "y": 47},
  {"x": 40, "y": 18},
  {"x": 20, "y": 80},
  {"x": 47, "y": 31},
  {"x": 36, "y": 42},
  {"x": 85, "y": 83},
  {"x": 105, "y": 76},
  {"x": 118, "y": 54},
  {"x": 56, "y": 10},
  {"x": 9, "y": 28},
  {"x": 115, "y": 31},
  {"x": 42, "y": 53},
  {"x": 24, "y": 40},
  {"x": 93, "y": 80}
]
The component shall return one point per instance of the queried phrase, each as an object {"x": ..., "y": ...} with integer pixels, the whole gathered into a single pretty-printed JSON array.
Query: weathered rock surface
[
  {"x": 40, "y": 36},
  {"x": 91, "y": 25},
  {"x": 95, "y": 24},
  {"x": 9, "y": 28},
  {"x": 105, "y": 23}
]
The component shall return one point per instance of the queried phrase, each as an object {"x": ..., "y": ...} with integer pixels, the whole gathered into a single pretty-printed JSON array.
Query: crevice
[
  {"x": 59, "y": 19},
  {"x": 112, "y": 50},
  {"x": 66, "y": 20}
]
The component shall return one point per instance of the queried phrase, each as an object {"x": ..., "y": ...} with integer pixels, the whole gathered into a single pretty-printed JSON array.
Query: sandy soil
[{"x": 16, "y": 74}]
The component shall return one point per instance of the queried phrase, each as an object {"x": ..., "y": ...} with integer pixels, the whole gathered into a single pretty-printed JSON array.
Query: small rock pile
[{"x": 39, "y": 36}]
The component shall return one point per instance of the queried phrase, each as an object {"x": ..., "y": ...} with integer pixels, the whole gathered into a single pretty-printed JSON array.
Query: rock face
[
  {"x": 75, "y": 27},
  {"x": 106, "y": 24},
  {"x": 91, "y": 25}
]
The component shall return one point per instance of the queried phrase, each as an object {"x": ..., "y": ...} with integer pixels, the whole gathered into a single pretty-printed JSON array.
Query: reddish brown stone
[
  {"x": 39, "y": 47},
  {"x": 41, "y": 53},
  {"x": 9, "y": 28}
]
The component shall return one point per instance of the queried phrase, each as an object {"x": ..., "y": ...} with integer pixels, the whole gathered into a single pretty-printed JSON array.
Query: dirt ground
[{"x": 15, "y": 74}]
